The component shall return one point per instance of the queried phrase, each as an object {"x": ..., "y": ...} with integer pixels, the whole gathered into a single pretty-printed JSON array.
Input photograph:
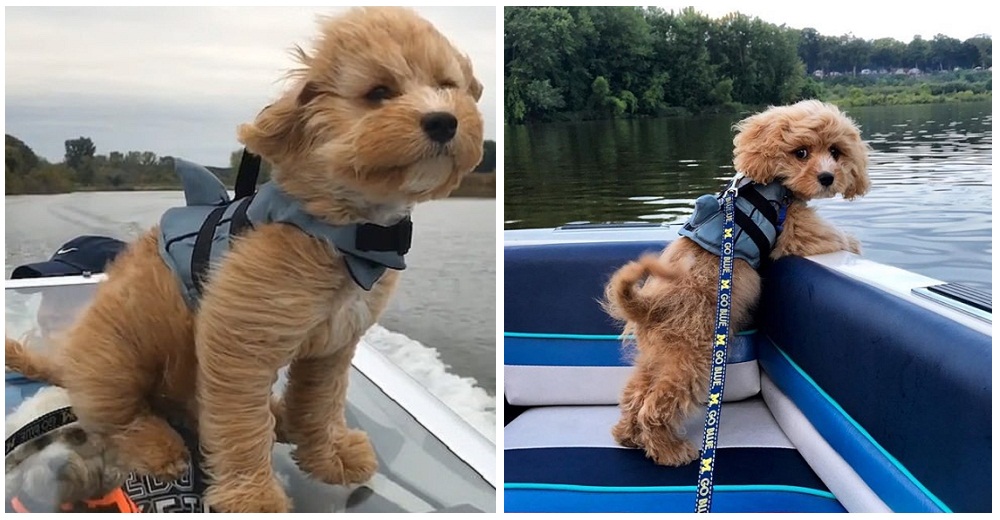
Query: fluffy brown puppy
[
  {"x": 672, "y": 314},
  {"x": 381, "y": 115}
]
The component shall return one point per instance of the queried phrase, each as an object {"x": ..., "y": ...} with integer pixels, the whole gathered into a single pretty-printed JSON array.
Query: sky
[
  {"x": 870, "y": 19},
  {"x": 177, "y": 81}
]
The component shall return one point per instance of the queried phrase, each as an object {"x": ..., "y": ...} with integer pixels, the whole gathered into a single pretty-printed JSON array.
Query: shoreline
[
  {"x": 859, "y": 101},
  {"x": 474, "y": 185}
]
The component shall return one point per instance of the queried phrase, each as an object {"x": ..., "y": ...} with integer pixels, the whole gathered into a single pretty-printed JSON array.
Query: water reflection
[{"x": 929, "y": 209}]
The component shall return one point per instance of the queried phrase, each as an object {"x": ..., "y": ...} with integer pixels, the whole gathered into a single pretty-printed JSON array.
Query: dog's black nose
[
  {"x": 825, "y": 178},
  {"x": 439, "y": 126}
]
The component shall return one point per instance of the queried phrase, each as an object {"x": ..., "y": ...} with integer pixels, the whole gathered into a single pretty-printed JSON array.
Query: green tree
[
  {"x": 983, "y": 54},
  {"x": 78, "y": 150},
  {"x": 536, "y": 43},
  {"x": 917, "y": 52},
  {"x": 681, "y": 44},
  {"x": 760, "y": 58},
  {"x": 809, "y": 48},
  {"x": 563, "y": 63},
  {"x": 79, "y": 155},
  {"x": 19, "y": 159},
  {"x": 856, "y": 53},
  {"x": 888, "y": 53}
]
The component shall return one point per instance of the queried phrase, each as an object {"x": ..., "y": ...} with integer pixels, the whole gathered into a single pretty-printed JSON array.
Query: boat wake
[{"x": 461, "y": 394}]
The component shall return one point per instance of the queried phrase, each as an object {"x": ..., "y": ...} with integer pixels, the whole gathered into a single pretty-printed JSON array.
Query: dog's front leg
[
  {"x": 806, "y": 234},
  {"x": 254, "y": 316},
  {"x": 314, "y": 419},
  {"x": 236, "y": 427}
]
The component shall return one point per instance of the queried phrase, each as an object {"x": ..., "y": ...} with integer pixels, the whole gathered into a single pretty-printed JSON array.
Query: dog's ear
[
  {"x": 857, "y": 154},
  {"x": 757, "y": 147},
  {"x": 277, "y": 132},
  {"x": 475, "y": 87}
]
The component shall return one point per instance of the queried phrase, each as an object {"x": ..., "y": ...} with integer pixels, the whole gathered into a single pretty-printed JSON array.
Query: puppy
[
  {"x": 813, "y": 151},
  {"x": 64, "y": 466},
  {"x": 381, "y": 115}
]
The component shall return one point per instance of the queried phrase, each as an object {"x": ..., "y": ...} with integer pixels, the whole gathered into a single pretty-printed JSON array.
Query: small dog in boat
[
  {"x": 792, "y": 154},
  {"x": 381, "y": 115},
  {"x": 65, "y": 466}
]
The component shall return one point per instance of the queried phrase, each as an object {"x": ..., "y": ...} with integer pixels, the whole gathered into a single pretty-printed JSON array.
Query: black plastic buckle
[{"x": 397, "y": 237}]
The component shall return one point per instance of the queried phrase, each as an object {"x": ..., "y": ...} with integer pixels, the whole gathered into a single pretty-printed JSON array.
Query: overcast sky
[
  {"x": 176, "y": 81},
  {"x": 868, "y": 19}
]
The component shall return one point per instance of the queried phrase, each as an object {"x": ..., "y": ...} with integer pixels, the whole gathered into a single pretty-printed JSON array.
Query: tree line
[
  {"x": 84, "y": 169},
  {"x": 595, "y": 62}
]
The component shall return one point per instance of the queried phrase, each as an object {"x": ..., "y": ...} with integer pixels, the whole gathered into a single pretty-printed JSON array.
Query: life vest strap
[
  {"x": 397, "y": 237},
  {"x": 240, "y": 221},
  {"x": 758, "y": 201},
  {"x": 202, "y": 252},
  {"x": 246, "y": 176},
  {"x": 747, "y": 225}
]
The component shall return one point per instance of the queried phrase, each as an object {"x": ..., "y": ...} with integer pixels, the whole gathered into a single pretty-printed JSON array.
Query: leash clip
[{"x": 734, "y": 184}]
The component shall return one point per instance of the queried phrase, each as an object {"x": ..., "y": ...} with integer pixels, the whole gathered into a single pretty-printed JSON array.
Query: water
[
  {"x": 929, "y": 209},
  {"x": 446, "y": 298}
]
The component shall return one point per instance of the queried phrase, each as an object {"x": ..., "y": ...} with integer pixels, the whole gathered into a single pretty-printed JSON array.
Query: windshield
[{"x": 417, "y": 472}]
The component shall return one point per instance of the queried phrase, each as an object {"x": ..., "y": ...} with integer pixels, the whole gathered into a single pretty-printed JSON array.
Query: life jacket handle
[{"x": 246, "y": 175}]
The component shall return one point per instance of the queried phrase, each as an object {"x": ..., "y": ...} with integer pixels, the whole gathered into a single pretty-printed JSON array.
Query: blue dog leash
[{"x": 713, "y": 417}]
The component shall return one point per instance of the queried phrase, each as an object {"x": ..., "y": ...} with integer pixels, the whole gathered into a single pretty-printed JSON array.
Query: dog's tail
[
  {"x": 29, "y": 363},
  {"x": 621, "y": 300}
]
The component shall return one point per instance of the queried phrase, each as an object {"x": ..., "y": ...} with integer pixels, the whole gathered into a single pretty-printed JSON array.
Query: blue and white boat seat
[
  {"x": 566, "y": 369},
  {"x": 831, "y": 416}
]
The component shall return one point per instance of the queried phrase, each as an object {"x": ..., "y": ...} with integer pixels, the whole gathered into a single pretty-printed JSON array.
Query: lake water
[
  {"x": 929, "y": 209},
  {"x": 446, "y": 297}
]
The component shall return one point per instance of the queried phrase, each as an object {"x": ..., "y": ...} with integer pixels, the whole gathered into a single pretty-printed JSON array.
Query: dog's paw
[
  {"x": 150, "y": 446},
  {"x": 349, "y": 460},
  {"x": 852, "y": 244},
  {"x": 166, "y": 462},
  {"x": 671, "y": 453},
  {"x": 625, "y": 433},
  {"x": 237, "y": 495},
  {"x": 171, "y": 469}
]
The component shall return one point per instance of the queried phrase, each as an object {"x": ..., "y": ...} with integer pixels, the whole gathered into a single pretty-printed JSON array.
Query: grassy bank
[{"x": 893, "y": 89}]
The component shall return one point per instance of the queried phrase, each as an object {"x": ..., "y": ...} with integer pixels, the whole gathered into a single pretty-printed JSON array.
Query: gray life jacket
[
  {"x": 759, "y": 215},
  {"x": 197, "y": 235}
]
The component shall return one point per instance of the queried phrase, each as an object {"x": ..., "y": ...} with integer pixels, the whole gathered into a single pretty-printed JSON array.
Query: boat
[
  {"x": 430, "y": 459},
  {"x": 861, "y": 387}
]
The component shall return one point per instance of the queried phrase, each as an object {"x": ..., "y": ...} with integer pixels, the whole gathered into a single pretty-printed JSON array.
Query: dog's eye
[
  {"x": 448, "y": 84},
  {"x": 835, "y": 152},
  {"x": 380, "y": 93},
  {"x": 801, "y": 153}
]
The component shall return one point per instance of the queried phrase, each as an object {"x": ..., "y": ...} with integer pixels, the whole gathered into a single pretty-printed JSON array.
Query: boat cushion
[
  {"x": 560, "y": 347},
  {"x": 547, "y": 369},
  {"x": 555, "y": 289},
  {"x": 563, "y": 459},
  {"x": 902, "y": 393}
]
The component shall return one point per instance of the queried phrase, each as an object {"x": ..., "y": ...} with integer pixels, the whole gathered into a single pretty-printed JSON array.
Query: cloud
[{"x": 176, "y": 81}]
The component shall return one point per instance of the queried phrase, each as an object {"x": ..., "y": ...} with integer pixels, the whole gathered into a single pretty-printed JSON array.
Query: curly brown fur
[
  {"x": 29, "y": 363},
  {"x": 351, "y": 151},
  {"x": 672, "y": 314}
]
